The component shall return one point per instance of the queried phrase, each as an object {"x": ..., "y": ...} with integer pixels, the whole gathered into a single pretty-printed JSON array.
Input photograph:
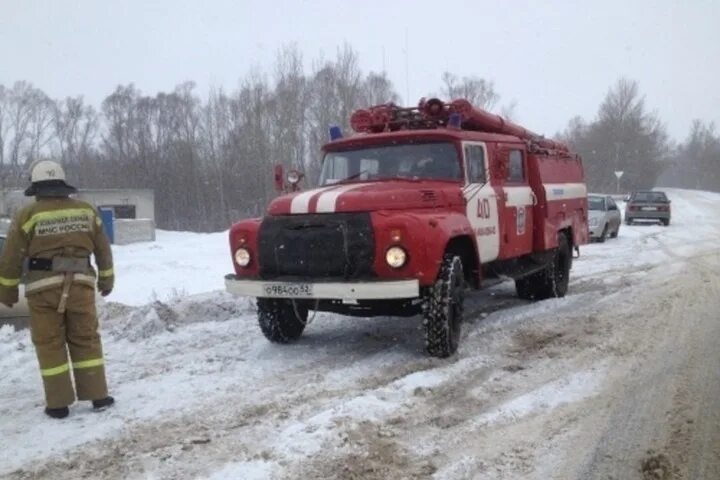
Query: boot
[
  {"x": 61, "y": 412},
  {"x": 103, "y": 403}
]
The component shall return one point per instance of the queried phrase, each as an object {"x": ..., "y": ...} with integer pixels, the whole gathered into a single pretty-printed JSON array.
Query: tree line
[
  {"x": 210, "y": 160},
  {"x": 626, "y": 137}
]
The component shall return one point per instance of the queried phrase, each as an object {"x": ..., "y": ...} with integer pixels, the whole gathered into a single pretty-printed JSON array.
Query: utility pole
[
  {"x": 407, "y": 68},
  {"x": 618, "y": 172}
]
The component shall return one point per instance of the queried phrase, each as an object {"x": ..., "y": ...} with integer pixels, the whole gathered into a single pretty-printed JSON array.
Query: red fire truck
[{"x": 415, "y": 207}]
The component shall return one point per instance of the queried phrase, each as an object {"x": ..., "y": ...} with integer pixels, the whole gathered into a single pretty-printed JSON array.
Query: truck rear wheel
[
  {"x": 443, "y": 309},
  {"x": 553, "y": 280},
  {"x": 280, "y": 320}
]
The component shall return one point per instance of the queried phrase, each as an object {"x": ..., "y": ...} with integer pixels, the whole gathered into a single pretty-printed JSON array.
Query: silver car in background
[{"x": 604, "y": 217}]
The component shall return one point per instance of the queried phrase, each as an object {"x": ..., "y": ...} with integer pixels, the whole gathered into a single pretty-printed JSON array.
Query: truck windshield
[{"x": 418, "y": 161}]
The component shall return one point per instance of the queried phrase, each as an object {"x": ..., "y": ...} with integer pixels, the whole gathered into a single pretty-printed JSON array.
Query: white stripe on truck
[
  {"x": 564, "y": 191},
  {"x": 301, "y": 203},
  {"x": 327, "y": 203},
  {"x": 518, "y": 196}
]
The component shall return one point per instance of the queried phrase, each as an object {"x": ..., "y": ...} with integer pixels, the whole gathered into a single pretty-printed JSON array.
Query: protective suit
[{"x": 48, "y": 247}]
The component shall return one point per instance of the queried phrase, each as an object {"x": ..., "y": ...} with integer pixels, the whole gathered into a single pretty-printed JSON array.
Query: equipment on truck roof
[{"x": 435, "y": 113}]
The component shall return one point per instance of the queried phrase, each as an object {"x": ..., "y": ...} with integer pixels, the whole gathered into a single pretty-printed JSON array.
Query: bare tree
[
  {"x": 216, "y": 125},
  {"x": 624, "y": 137},
  {"x": 697, "y": 160},
  {"x": 478, "y": 91},
  {"x": 119, "y": 111},
  {"x": 40, "y": 132},
  {"x": 288, "y": 108},
  {"x": 508, "y": 111},
  {"x": 322, "y": 113},
  {"x": 251, "y": 141},
  {"x": 348, "y": 83},
  {"x": 336, "y": 90},
  {"x": 75, "y": 129},
  {"x": 377, "y": 89},
  {"x": 25, "y": 129},
  {"x": 4, "y": 120},
  {"x": 20, "y": 113}
]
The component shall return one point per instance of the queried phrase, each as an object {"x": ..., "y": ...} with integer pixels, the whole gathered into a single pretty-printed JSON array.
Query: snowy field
[
  {"x": 176, "y": 265},
  {"x": 617, "y": 380}
]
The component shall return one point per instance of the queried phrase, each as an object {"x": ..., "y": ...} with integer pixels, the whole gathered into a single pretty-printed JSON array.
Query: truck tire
[
  {"x": 553, "y": 280},
  {"x": 280, "y": 320},
  {"x": 443, "y": 309},
  {"x": 558, "y": 277}
]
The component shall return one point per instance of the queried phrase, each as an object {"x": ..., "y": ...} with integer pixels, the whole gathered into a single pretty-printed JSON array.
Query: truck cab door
[
  {"x": 481, "y": 201},
  {"x": 517, "y": 202}
]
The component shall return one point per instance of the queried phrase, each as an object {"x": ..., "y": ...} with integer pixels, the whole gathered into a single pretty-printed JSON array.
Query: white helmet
[
  {"x": 48, "y": 179},
  {"x": 45, "y": 170}
]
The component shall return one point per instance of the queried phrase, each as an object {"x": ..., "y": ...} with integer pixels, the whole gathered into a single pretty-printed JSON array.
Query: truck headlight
[
  {"x": 242, "y": 257},
  {"x": 396, "y": 257}
]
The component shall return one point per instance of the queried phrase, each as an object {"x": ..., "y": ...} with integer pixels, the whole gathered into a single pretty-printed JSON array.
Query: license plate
[
  {"x": 288, "y": 290},
  {"x": 648, "y": 209}
]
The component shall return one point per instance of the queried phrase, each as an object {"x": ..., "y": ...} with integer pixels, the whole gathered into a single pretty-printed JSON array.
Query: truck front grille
[{"x": 317, "y": 246}]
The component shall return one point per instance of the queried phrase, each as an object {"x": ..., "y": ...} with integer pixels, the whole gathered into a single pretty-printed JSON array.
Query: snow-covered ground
[
  {"x": 610, "y": 382},
  {"x": 176, "y": 265}
]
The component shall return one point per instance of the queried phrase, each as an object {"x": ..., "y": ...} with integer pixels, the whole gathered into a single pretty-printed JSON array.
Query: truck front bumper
[{"x": 351, "y": 291}]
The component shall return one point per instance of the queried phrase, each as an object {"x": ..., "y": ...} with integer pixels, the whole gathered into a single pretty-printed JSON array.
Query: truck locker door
[
  {"x": 518, "y": 204},
  {"x": 481, "y": 201}
]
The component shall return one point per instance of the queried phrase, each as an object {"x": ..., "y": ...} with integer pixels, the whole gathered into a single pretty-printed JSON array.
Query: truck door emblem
[
  {"x": 483, "y": 208},
  {"x": 520, "y": 220}
]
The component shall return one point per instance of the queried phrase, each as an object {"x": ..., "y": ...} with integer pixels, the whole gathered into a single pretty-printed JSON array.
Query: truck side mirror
[
  {"x": 279, "y": 178},
  {"x": 293, "y": 179}
]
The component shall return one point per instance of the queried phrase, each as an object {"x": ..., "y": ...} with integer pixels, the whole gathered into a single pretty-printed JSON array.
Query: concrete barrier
[
  {"x": 5, "y": 225},
  {"x": 136, "y": 230}
]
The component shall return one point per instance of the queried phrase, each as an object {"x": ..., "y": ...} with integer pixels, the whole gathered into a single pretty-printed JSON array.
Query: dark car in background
[{"x": 648, "y": 205}]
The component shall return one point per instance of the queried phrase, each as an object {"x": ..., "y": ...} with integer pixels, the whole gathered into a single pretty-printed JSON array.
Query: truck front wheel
[
  {"x": 281, "y": 320},
  {"x": 443, "y": 309}
]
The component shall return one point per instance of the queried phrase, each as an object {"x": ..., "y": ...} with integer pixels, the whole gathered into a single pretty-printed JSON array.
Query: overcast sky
[{"x": 555, "y": 61}]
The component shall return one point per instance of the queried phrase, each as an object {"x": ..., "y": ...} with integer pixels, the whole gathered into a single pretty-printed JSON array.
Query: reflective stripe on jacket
[{"x": 51, "y": 227}]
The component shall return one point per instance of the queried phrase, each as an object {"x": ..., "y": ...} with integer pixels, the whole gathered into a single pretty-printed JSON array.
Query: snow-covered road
[{"x": 617, "y": 380}]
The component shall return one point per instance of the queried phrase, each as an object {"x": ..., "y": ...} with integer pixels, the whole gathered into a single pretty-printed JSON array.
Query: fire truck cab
[{"x": 415, "y": 207}]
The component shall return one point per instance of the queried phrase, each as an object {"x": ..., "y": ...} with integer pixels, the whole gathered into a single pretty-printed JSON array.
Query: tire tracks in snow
[
  {"x": 573, "y": 388},
  {"x": 662, "y": 422}
]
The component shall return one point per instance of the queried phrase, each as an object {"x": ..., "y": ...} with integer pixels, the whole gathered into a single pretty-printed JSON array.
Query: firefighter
[{"x": 54, "y": 238}]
